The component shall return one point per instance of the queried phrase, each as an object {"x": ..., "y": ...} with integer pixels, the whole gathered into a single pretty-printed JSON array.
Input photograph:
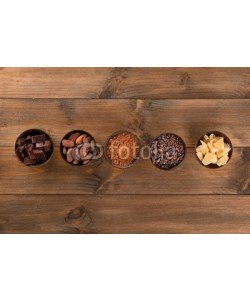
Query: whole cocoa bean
[
  {"x": 68, "y": 143},
  {"x": 74, "y": 136},
  {"x": 69, "y": 155},
  {"x": 88, "y": 156},
  {"x": 82, "y": 153},
  {"x": 85, "y": 162},
  {"x": 92, "y": 145},
  {"x": 75, "y": 154},
  {"x": 79, "y": 140},
  {"x": 84, "y": 137}
]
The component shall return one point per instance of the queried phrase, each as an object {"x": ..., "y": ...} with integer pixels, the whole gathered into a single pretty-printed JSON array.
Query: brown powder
[{"x": 123, "y": 149}]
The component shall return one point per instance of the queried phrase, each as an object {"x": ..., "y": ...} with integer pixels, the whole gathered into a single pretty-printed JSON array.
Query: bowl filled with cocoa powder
[{"x": 122, "y": 149}]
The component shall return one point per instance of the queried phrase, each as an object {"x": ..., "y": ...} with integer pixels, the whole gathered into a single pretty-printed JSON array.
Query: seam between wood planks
[{"x": 116, "y": 195}]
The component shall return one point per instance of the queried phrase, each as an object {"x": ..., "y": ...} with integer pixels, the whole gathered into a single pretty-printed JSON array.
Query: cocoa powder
[{"x": 123, "y": 149}]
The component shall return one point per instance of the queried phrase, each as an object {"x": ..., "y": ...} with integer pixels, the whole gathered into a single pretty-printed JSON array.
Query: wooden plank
[
  {"x": 125, "y": 214},
  {"x": 144, "y": 83},
  {"x": 147, "y": 118},
  {"x": 58, "y": 177}
]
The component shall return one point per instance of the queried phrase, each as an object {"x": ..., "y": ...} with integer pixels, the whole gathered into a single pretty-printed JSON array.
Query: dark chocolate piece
[
  {"x": 28, "y": 161},
  {"x": 20, "y": 149},
  {"x": 39, "y": 154},
  {"x": 38, "y": 138},
  {"x": 21, "y": 141},
  {"x": 29, "y": 150},
  {"x": 34, "y": 150},
  {"x": 39, "y": 146},
  {"x": 47, "y": 146}
]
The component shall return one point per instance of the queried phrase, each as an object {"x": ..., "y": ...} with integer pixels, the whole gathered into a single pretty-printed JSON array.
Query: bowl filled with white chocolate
[{"x": 214, "y": 150}]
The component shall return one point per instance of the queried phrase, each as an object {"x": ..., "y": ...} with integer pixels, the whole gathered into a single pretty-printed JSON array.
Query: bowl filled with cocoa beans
[{"x": 78, "y": 148}]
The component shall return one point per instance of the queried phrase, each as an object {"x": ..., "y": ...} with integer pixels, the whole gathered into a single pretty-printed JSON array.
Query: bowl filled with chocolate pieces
[
  {"x": 34, "y": 147},
  {"x": 167, "y": 151},
  {"x": 78, "y": 148}
]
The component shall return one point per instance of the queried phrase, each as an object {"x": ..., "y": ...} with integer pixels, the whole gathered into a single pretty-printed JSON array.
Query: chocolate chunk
[
  {"x": 39, "y": 154},
  {"x": 20, "y": 149},
  {"x": 34, "y": 148},
  {"x": 28, "y": 139},
  {"x": 39, "y": 146},
  {"x": 21, "y": 141},
  {"x": 29, "y": 150},
  {"x": 38, "y": 138},
  {"x": 47, "y": 145},
  {"x": 27, "y": 161}
]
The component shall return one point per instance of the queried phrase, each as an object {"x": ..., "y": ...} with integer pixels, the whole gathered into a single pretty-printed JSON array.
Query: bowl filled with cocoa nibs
[
  {"x": 167, "y": 151},
  {"x": 34, "y": 147},
  {"x": 214, "y": 150},
  {"x": 78, "y": 148}
]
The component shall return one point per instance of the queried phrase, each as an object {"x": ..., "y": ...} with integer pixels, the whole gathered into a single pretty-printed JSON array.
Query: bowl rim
[
  {"x": 112, "y": 136},
  {"x": 185, "y": 151},
  {"x": 226, "y": 140},
  {"x": 29, "y": 131},
  {"x": 65, "y": 137}
]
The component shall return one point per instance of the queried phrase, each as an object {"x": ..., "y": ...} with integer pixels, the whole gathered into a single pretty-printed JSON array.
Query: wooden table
[{"x": 59, "y": 198}]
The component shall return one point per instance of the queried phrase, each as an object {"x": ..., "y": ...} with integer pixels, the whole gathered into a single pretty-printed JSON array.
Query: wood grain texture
[
  {"x": 58, "y": 177},
  {"x": 144, "y": 83},
  {"x": 147, "y": 118},
  {"x": 124, "y": 214},
  {"x": 59, "y": 198}
]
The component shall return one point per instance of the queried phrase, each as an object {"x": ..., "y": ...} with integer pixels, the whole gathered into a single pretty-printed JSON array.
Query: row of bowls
[{"x": 38, "y": 131}]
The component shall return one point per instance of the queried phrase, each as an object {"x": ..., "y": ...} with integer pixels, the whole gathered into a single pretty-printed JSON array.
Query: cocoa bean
[
  {"x": 68, "y": 143},
  {"x": 92, "y": 145},
  {"x": 74, "y": 136},
  {"x": 69, "y": 155},
  {"x": 75, "y": 154},
  {"x": 84, "y": 138},
  {"x": 88, "y": 156},
  {"x": 82, "y": 153},
  {"x": 79, "y": 140}
]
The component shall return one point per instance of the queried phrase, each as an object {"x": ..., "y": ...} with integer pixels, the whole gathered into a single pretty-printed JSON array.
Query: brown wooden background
[{"x": 59, "y": 198}]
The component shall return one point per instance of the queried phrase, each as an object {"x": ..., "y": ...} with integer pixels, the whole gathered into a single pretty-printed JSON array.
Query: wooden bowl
[
  {"x": 34, "y": 132},
  {"x": 226, "y": 140}
]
